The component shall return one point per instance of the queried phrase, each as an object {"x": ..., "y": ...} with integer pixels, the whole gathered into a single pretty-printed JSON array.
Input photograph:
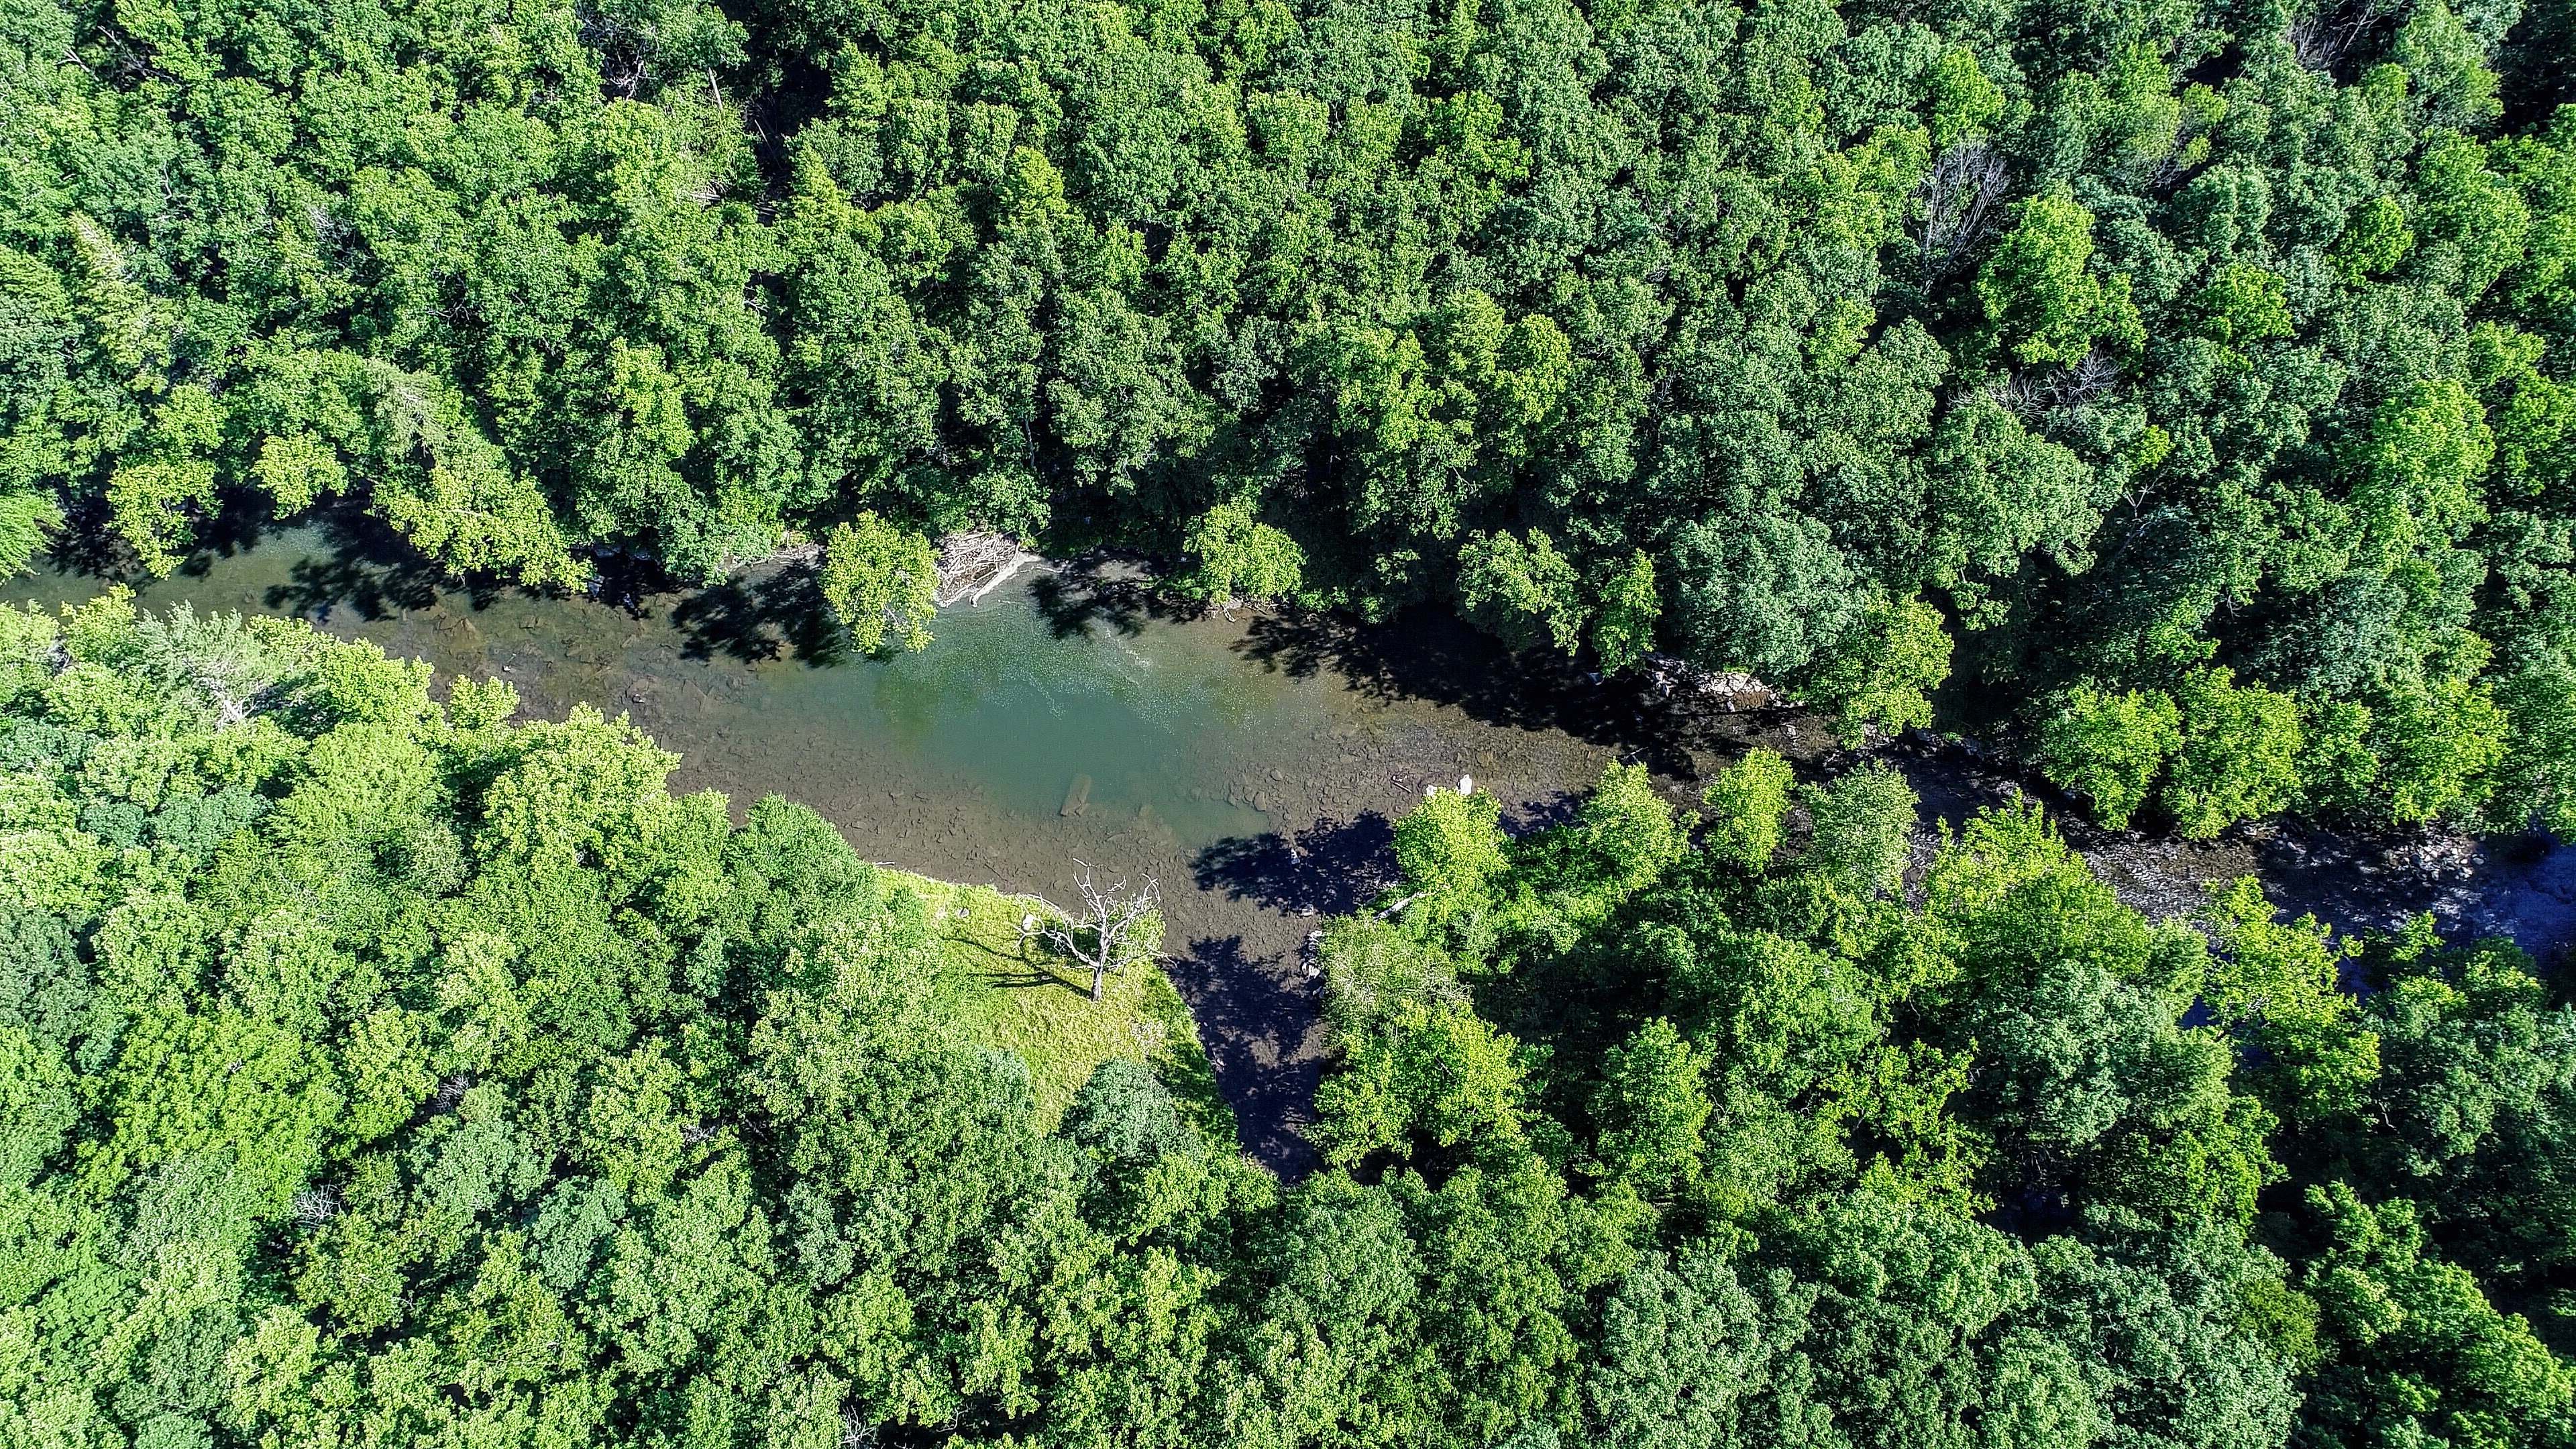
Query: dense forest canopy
[
  {"x": 2182, "y": 395},
  {"x": 377, "y": 1071},
  {"x": 2184, "y": 388}
]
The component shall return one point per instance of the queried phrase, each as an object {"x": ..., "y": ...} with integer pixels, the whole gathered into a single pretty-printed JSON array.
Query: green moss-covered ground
[{"x": 1022, "y": 996}]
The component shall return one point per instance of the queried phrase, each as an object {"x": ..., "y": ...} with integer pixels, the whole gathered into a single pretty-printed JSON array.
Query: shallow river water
[{"x": 1251, "y": 764}]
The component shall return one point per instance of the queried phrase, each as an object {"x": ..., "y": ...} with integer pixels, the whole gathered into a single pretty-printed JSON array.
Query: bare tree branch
[
  {"x": 2325, "y": 38},
  {"x": 1959, "y": 195},
  {"x": 1105, "y": 936}
]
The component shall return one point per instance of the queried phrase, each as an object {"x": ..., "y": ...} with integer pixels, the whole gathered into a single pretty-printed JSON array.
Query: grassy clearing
[{"x": 1017, "y": 994}]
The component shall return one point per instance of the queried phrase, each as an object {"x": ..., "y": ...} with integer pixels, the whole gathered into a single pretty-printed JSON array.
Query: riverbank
[{"x": 1253, "y": 765}]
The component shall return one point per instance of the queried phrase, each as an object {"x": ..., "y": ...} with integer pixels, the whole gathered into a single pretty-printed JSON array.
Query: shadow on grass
[
  {"x": 1018, "y": 994},
  {"x": 1033, "y": 977},
  {"x": 1016, "y": 969}
]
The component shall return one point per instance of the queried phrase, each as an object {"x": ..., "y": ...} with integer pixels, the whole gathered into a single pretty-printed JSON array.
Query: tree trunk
[{"x": 1099, "y": 980}]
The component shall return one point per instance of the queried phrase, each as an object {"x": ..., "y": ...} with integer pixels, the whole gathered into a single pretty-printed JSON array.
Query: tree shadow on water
[
  {"x": 367, "y": 569},
  {"x": 1260, "y": 1021},
  {"x": 88, "y": 544},
  {"x": 1073, "y": 597},
  {"x": 762, "y": 616},
  {"x": 1429, "y": 654},
  {"x": 1545, "y": 813},
  {"x": 2374, "y": 880},
  {"x": 1330, "y": 868}
]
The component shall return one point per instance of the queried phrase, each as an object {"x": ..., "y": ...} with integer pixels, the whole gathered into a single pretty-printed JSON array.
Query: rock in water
[{"x": 1077, "y": 796}]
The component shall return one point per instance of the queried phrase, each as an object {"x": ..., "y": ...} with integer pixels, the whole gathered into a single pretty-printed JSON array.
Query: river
[{"x": 1250, "y": 764}]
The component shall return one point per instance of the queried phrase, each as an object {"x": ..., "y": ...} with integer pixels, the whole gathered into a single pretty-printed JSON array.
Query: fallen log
[{"x": 972, "y": 565}]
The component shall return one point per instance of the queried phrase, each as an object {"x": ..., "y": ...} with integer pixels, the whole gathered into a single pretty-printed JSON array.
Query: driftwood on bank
[
  {"x": 972, "y": 565},
  {"x": 1731, "y": 690}
]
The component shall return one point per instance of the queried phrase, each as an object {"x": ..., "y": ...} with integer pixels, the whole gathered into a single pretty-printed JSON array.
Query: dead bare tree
[
  {"x": 1959, "y": 196},
  {"x": 1115, "y": 928},
  {"x": 2089, "y": 377},
  {"x": 2321, "y": 40},
  {"x": 2031, "y": 393},
  {"x": 2021, "y": 392}
]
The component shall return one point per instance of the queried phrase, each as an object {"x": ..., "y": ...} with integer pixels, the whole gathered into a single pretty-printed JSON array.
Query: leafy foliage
[
  {"x": 882, "y": 582},
  {"x": 1992, "y": 1160},
  {"x": 373, "y": 1067},
  {"x": 1522, "y": 593},
  {"x": 1240, "y": 557},
  {"x": 1806, "y": 340}
]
